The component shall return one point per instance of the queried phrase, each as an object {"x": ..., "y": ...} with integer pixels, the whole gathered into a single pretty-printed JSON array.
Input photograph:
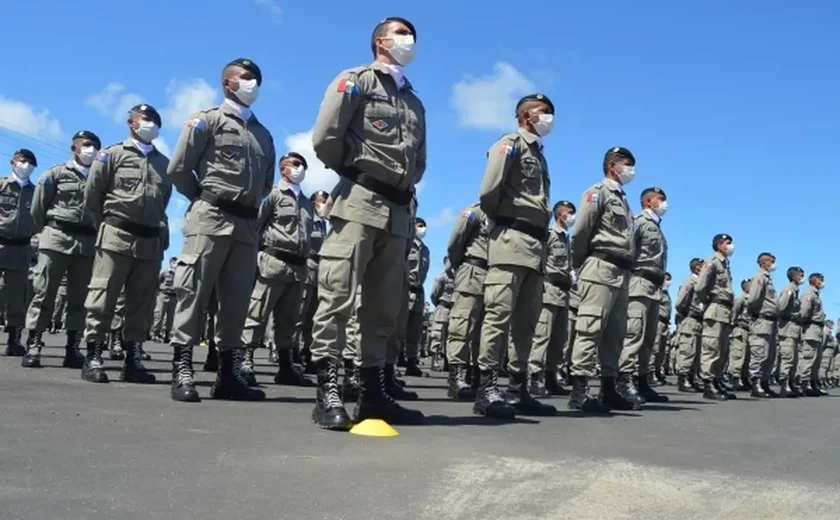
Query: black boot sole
[
  {"x": 338, "y": 423},
  {"x": 185, "y": 396},
  {"x": 503, "y": 414},
  {"x": 140, "y": 379},
  {"x": 31, "y": 363}
]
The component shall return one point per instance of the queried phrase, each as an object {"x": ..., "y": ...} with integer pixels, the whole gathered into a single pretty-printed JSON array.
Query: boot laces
[
  {"x": 492, "y": 392},
  {"x": 184, "y": 365},
  {"x": 238, "y": 360},
  {"x": 383, "y": 385},
  {"x": 248, "y": 359},
  {"x": 332, "y": 399},
  {"x": 137, "y": 355},
  {"x": 95, "y": 360}
]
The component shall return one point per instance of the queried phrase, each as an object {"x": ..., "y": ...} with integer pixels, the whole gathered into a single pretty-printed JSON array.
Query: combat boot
[
  {"x": 648, "y": 393},
  {"x": 14, "y": 348},
  {"x": 458, "y": 387},
  {"x": 488, "y": 399},
  {"x": 393, "y": 388},
  {"x": 115, "y": 348},
  {"x": 287, "y": 373},
  {"x": 133, "y": 369},
  {"x": 411, "y": 368},
  {"x": 519, "y": 398},
  {"x": 683, "y": 385},
  {"x": 554, "y": 384},
  {"x": 796, "y": 387},
  {"x": 808, "y": 389},
  {"x": 376, "y": 403},
  {"x": 93, "y": 369},
  {"x": 695, "y": 384},
  {"x": 329, "y": 412},
  {"x": 211, "y": 364},
  {"x": 143, "y": 354},
  {"x": 247, "y": 368},
  {"x": 620, "y": 394},
  {"x": 73, "y": 357},
  {"x": 183, "y": 385},
  {"x": 273, "y": 356},
  {"x": 32, "y": 358},
  {"x": 401, "y": 362},
  {"x": 720, "y": 386},
  {"x": 712, "y": 393},
  {"x": 757, "y": 389},
  {"x": 351, "y": 380},
  {"x": 475, "y": 378},
  {"x": 229, "y": 383},
  {"x": 786, "y": 390},
  {"x": 741, "y": 384},
  {"x": 536, "y": 387},
  {"x": 821, "y": 387},
  {"x": 651, "y": 380},
  {"x": 582, "y": 401},
  {"x": 765, "y": 385}
]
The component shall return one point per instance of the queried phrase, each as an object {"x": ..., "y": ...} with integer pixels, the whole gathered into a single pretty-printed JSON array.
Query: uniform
[
  {"x": 790, "y": 336},
  {"x": 165, "y": 306},
  {"x": 310, "y": 289},
  {"x": 126, "y": 194},
  {"x": 418, "y": 270},
  {"x": 443, "y": 289},
  {"x": 689, "y": 332},
  {"x": 826, "y": 359},
  {"x": 569, "y": 340},
  {"x": 764, "y": 313},
  {"x": 739, "y": 351},
  {"x": 812, "y": 316},
  {"x": 714, "y": 289},
  {"x": 224, "y": 163},
  {"x": 60, "y": 305},
  {"x": 660, "y": 358},
  {"x": 467, "y": 252},
  {"x": 424, "y": 339},
  {"x": 371, "y": 130}
]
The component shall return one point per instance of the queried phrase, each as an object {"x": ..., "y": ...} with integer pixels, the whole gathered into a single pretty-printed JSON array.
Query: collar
[
  {"x": 418, "y": 241},
  {"x": 397, "y": 72},
  {"x": 243, "y": 113},
  {"x": 21, "y": 182},
  {"x": 75, "y": 166},
  {"x": 652, "y": 214},
  {"x": 560, "y": 230},
  {"x": 529, "y": 137},
  {"x": 613, "y": 185},
  {"x": 294, "y": 188},
  {"x": 695, "y": 276},
  {"x": 720, "y": 256},
  {"x": 144, "y": 148}
]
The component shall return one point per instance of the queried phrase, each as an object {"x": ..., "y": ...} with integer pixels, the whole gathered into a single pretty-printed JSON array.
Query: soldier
[
  {"x": 739, "y": 351},
  {"x": 418, "y": 264},
  {"x": 764, "y": 311},
  {"x": 370, "y": 130},
  {"x": 224, "y": 164},
  {"x": 689, "y": 310},
  {"x": 320, "y": 209},
  {"x": 645, "y": 287},
  {"x": 812, "y": 318},
  {"x": 165, "y": 306},
  {"x": 827, "y": 358},
  {"x": 514, "y": 195},
  {"x": 659, "y": 359},
  {"x": 714, "y": 290},
  {"x": 467, "y": 252},
  {"x": 285, "y": 225},
  {"x": 790, "y": 332},
  {"x": 603, "y": 250},
  {"x": 16, "y": 231},
  {"x": 547, "y": 353},
  {"x": 443, "y": 289},
  {"x": 126, "y": 194}
]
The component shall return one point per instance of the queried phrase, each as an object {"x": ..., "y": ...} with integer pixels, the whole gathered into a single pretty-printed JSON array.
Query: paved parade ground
[{"x": 76, "y": 450}]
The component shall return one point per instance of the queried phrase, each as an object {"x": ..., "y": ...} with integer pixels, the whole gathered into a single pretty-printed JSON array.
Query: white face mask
[
  {"x": 420, "y": 232},
  {"x": 666, "y": 284},
  {"x": 544, "y": 125},
  {"x": 570, "y": 220},
  {"x": 23, "y": 170},
  {"x": 147, "y": 131},
  {"x": 661, "y": 209},
  {"x": 323, "y": 210},
  {"x": 248, "y": 91},
  {"x": 86, "y": 155},
  {"x": 403, "y": 49},
  {"x": 730, "y": 249},
  {"x": 296, "y": 174},
  {"x": 771, "y": 267},
  {"x": 627, "y": 174}
]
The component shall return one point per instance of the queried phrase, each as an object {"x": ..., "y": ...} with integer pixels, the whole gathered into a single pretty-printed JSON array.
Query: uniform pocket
[
  {"x": 186, "y": 273},
  {"x": 589, "y": 320},
  {"x": 335, "y": 273},
  {"x": 258, "y": 299},
  {"x": 635, "y": 322},
  {"x": 97, "y": 295}
]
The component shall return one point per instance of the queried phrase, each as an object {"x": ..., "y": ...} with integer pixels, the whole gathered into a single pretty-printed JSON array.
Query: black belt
[
  {"x": 621, "y": 263},
  {"x": 14, "y": 241},
  {"x": 666, "y": 321},
  {"x": 817, "y": 323},
  {"x": 696, "y": 315},
  {"x": 285, "y": 256},
  {"x": 529, "y": 229},
  {"x": 72, "y": 228},
  {"x": 131, "y": 227},
  {"x": 445, "y": 304},
  {"x": 478, "y": 262},
  {"x": 655, "y": 279},
  {"x": 168, "y": 292},
  {"x": 415, "y": 290},
  {"x": 725, "y": 303},
  {"x": 393, "y": 194},
  {"x": 774, "y": 319},
  {"x": 228, "y": 206},
  {"x": 560, "y": 281}
]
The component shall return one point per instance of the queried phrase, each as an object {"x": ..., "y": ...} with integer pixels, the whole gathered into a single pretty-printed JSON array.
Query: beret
[
  {"x": 620, "y": 151},
  {"x": 27, "y": 153},
  {"x": 148, "y": 111},
  {"x": 658, "y": 191},
  {"x": 535, "y": 97},
  {"x": 87, "y": 134},
  {"x": 296, "y": 156},
  {"x": 248, "y": 65}
]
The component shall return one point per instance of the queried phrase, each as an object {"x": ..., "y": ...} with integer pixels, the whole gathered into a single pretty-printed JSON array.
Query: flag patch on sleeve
[
  {"x": 468, "y": 215},
  {"x": 196, "y": 123},
  {"x": 102, "y": 157},
  {"x": 592, "y": 196},
  {"x": 346, "y": 86},
  {"x": 507, "y": 149}
]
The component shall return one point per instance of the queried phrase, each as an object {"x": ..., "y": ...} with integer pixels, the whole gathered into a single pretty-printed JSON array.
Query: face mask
[
  {"x": 147, "y": 131},
  {"x": 627, "y": 174},
  {"x": 771, "y": 268},
  {"x": 296, "y": 174},
  {"x": 730, "y": 249},
  {"x": 86, "y": 155},
  {"x": 544, "y": 125},
  {"x": 323, "y": 210},
  {"x": 420, "y": 232},
  {"x": 403, "y": 49},
  {"x": 661, "y": 209},
  {"x": 248, "y": 91},
  {"x": 665, "y": 285},
  {"x": 23, "y": 169},
  {"x": 822, "y": 286},
  {"x": 570, "y": 220}
]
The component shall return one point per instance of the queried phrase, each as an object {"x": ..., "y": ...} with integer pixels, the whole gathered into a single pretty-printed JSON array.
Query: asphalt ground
[{"x": 75, "y": 450}]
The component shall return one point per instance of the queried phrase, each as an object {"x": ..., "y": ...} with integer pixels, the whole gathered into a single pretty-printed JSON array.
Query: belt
[
  {"x": 445, "y": 304},
  {"x": 529, "y": 229},
  {"x": 415, "y": 290},
  {"x": 696, "y": 315},
  {"x": 774, "y": 319},
  {"x": 621, "y": 263},
  {"x": 666, "y": 321},
  {"x": 560, "y": 281},
  {"x": 393, "y": 194},
  {"x": 817, "y": 323},
  {"x": 478, "y": 262},
  {"x": 655, "y": 279},
  {"x": 285, "y": 256},
  {"x": 14, "y": 241},
  {"x": 72, "y": 228},
  {"x": 725, "y": 303},
  {"x": 228, "y": 206},
  {"x": 131, "y": 227}
]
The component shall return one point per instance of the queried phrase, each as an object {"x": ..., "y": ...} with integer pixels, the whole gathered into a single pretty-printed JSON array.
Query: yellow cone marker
[{"x": 374, "y": 428}]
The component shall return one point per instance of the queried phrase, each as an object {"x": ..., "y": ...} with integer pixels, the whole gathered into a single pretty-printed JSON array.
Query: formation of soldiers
[{"x": 335, "y": 281}]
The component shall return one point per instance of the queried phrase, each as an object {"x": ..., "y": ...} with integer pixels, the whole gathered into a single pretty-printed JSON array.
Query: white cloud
[
  {"x": 488, "y": 102},
  {"x": 272, "y": 8},
  {"x": 444, "y": 218},
  {"x": 21, "y": 118},
  {"x": 160, "y": 144},
  {"x": 318, "y": 177},
  {"x": 186, "y": 98},
  {"x": 113, "y": 101}
]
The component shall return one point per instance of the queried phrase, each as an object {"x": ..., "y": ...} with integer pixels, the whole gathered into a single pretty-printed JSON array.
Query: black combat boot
[
  {"x": 412, "y": 368},
  {"x": 247, "y": 368},
  {"x": 786, "y": 389},
  {"x": 287, "y": 373},
  {"x": 765, "y": 385},
  {"x": 115, "y": 347},
  {"x": 183, "y": 385},
  {"x": 401, "y": 362},
  {"x": 648, "y": 393},
  {"x": 554, "y": 384},
  {"x": 821, "y": 386},
  {"x": 93, "y": 369},
  {"x": 133, "y": 370},
  {"x": 458, "y": 387},
  {"x": 740, "y": 384},
  {"x": 536, "y": 387},
  {"x": 14, "y": 348},
  {"x": 393, "y": 388},
  {"x": 581, "y": 400},
  {"x": 229, "y": 383},
  {"x": 683, "y": 385},
  {"x": 722, "y": 386},
  {"x": 695, "y": 383},
  {"x": 518, "y": 397},
  {"x": 808, "y": 389},
  {"x": 757, "y": 389},
  {"x": 651, "y": 381},
  {"x": 57, "y": 326},
  {"x": 376, "y": 403},
  {"x": 711, "y": 392},
  {"x": 795, "y": 386},
  {"x": 211, "y": 364},
  {"x": 32, "y": 358},
  {"x": 351, "y": 381},
  {"x": 308, "y": 365},
  {"x": 143, "y": 354},
  {"x": 475, "y": 378},
  {"x": 488, "y": 399},
  {"x": 329, "y": 412},
  {"x": 621, "y": 391},
  {"x": 723, "y": 389},
  {"x": 73, "y": 357}
]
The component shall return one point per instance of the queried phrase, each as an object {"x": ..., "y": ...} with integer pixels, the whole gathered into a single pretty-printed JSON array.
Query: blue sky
[{"x": 730, "y": 107}]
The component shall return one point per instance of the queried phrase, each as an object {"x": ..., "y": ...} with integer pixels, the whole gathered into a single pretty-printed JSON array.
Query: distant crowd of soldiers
[{"x": 336, "y": 281}]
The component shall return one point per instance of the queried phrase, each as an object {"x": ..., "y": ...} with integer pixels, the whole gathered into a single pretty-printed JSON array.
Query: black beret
[
  {"x": 535, "y": 97},
  {"x": 296, "y": 156},
  {"x": 720, "y": 237},
  {"x": 148, "y": 111},
  {"x": 396, "y": 19},
  {"x": 319, "y": 193},
  {"x": 745, "y": 280},
  {"x": 817, "y": 275},
  {"x": 420, "y": 221},
  {"x": 658, "y": 191},
  {"x": 87, "y": 134},
  {"x": 248, "y": 65},
  {"x": 668, "y": 275},
  {"x": 619, "y": 151},
  {"x": 27, "y": 154},
  {"x": 696, "y": 261},
  {"x": 760, "y": 255},
  {"x": 565, "y": 204}
]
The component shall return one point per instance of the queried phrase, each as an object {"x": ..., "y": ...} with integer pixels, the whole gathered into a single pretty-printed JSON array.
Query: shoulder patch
[
  {"x": 345, "y": 86},
  {"x": 468, "y": 214},
  {"x": 102, "y": 156},
  {"x": 593, "y": 196},
  {"x": 507, "y": 149},
  {"x": 196, "y": 123},
  {"x": 44, "y": 180}
]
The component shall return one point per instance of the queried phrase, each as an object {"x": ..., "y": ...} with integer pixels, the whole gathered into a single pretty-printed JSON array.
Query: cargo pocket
[
  {"x": 97, "y": 295},
  {"x": 589, "y": 320},
  {"x": 256, "y": 307},
  {"x": 336, "y": 270},
  {"x": 497, "y": 288},
  {"x": 635, "y": 324},
  {"x": 185, "y": 280}
]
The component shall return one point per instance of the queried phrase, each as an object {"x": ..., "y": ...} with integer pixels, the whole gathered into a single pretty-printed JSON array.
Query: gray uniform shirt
[
  {"x": 58, "y": 207},
  {"x": 16, "y": 223},
  {"x": 789, "y": 321},
  {"x": 285, "y": 224},
  {"x": 651, "y": 259},
  {"x": 761, "y": 303},
  {"x": 468, "y": 243},
  {"x": 558, "y": 269},
  {"x": 812, "y": 315},
  {"x": 714, "y": 289}
]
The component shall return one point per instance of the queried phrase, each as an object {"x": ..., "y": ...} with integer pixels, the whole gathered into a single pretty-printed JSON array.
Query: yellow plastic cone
[{"x": 374, "y": 428}]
